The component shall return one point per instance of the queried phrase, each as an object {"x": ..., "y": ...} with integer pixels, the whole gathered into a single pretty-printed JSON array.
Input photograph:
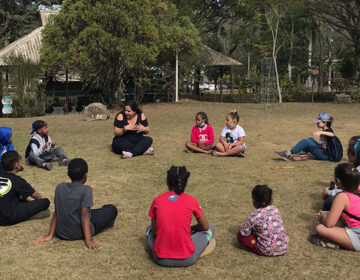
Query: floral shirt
[{"x": 267, "y": 226}]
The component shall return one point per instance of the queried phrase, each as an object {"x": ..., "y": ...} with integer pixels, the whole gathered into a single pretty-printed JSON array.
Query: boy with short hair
[
  {"x": 14, "y": 191},
  {"x": 73, "y": 219},
  {"x": 41, "y": 148}
]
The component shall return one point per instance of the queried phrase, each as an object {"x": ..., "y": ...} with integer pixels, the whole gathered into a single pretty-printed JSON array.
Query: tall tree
[
  {"x": 343, "y": 16},
  {"x": 107, "y": 40}
]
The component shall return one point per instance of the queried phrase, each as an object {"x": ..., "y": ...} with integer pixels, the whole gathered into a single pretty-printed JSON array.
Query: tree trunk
[{"x": 321, "y": 68}]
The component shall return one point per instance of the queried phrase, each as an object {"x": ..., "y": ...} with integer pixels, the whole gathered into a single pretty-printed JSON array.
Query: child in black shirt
[{"x": 14, "y": 191}]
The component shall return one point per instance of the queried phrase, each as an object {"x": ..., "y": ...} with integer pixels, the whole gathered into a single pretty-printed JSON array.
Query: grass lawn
[{"x": 221, "y": 185}]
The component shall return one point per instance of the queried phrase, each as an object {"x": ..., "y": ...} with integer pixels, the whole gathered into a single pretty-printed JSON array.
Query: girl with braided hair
[
  {"x": 202, "y": 135},
  {"x": 171, "y": 238}
]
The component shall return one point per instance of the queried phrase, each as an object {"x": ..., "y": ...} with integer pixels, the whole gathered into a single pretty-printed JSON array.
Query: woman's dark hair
[
  {"x": 9, "y": 159},
  {"x": 354, "y": 149},
  {"x": 177, "y": 177},
  {"x": 204, "y": 116},
  {"x": 261, "y": 195},
  {"x": 77, "y": 169},
  {"x": 328, "y": 124},
  {"x": 133, "y": 105},
  {"x": 348, "y": 176},
  {"x": 234, "y": 115}
]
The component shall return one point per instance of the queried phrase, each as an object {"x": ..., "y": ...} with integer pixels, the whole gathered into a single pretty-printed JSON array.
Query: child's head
[
  {"x": 11, "y": 160},
  {"x": 5, "y": 135},
  {"x": 177, "y": 177},
  {"x": 201, "y": 119},
  {"x": 261, "y": 195},
  {"x": 77, "y": 170},
  {"x": 39, "y": 127},
  {"x": 347, "y": 177},
  {"x": 324, "y": 120},
  {"x": 353, "y": 150},
  {"x": 232, "y": 119}
]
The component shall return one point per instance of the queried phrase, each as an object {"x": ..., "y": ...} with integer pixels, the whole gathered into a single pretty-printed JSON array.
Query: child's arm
[
  {"x": 248, "y": 225},
  {"x": 85, "y": 224},
  {"x": 211, "y": 137},
  {"x": 153, "y": 227},
  {"x": 202, "y": 225},
  {"x": 50, "y": 235},
  {"x": 225, "y": 144},
  {"x": 239, "y": 142},
  {"x": 193, "y": 136},
  {"x": 340, "y": 203},
  {"x": 36, "y": 195}
]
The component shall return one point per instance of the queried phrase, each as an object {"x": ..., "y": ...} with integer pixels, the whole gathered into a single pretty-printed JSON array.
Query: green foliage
[
  {"x": 17, "y": 18},
  {"x": 107, "y": 41},
  {"x": 29, "y": 96},
  {"x": 348, "y": 67}
]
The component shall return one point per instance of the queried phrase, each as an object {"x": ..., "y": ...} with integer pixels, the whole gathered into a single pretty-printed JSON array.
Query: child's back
[{"x": 69, "y": 198}]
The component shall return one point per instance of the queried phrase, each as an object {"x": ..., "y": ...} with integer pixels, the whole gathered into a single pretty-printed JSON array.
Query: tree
[
  {"x": 343, "y": 16},
  {"x": 17, "y": 18},
  {"x": 106, "y": 41}
]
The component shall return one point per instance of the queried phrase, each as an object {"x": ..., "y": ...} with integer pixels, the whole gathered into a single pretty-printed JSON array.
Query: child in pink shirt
[
  {"x": 202, "y": 135},
  {"x": 330, "y": 232}
]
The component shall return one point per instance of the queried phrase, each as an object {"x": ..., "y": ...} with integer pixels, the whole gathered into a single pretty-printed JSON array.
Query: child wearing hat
[
  {"x": 316, "y": 145},
  {"x": 41, "y": 148}
]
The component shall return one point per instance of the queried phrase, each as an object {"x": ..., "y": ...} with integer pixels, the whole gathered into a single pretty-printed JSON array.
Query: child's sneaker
[
  {"x": 64, "y": 162},
  {"x": 125, "y": 155},
  {"x": 149, "y": 151},
  {"x": 47, "y": 166},
  {"x": 322, "y": 242},
  {"x": 283, "y": 155}
]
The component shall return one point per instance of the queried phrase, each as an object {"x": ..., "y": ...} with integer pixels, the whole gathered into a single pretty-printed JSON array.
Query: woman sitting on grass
[
  {"x": 130, "y": 125},
  {"x": 331, "y": 232},
  {"x": 171, "y": 238}
]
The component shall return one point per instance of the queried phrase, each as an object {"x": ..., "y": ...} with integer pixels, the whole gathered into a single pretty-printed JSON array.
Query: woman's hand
[
  {"x": 130, "y": 127},
  {"x": 140, "y": 128}
]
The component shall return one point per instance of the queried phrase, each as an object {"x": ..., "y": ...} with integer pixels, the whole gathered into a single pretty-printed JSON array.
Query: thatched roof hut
[
  {"x": 214, "y": 58},
  {"x": 29, "y": 45}
]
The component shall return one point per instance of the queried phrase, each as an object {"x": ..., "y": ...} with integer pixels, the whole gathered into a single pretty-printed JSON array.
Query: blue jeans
[{"x": 309, "y": 145}]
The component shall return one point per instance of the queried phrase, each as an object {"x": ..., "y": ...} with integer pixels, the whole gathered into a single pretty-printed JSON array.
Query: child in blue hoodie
[{"x": 6, "y": 144}]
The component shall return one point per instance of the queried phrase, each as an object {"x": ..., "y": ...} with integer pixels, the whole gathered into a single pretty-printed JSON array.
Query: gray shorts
[{"x": 354, "y": 235}]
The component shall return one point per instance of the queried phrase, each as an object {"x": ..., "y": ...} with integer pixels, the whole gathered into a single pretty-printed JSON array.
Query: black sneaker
[
  {"x": 47, "y": 166},
  {"x": 283, "y": 155}
]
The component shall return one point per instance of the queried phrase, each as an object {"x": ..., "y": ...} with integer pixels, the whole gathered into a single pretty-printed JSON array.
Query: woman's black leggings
[{"x": 135, "y": 145}]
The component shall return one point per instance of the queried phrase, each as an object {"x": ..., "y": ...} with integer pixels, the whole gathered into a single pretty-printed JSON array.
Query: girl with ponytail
[{"x": 172, "y": 239}]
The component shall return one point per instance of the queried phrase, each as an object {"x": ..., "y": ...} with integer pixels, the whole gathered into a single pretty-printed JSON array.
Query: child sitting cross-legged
[
  {"x": 41, "y": 148},
  {"x": 232, "y": 139},
  {"x": 171, "y": 238},
  {"x": 263, "y": 230},
  {"x": 341, "y": 226},
  {"x": 73, "y": 219},
  {"x": 14, "y": 192}
]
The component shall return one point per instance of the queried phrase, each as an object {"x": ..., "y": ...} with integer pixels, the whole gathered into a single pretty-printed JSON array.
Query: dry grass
[{"x": 222, "y": 186}]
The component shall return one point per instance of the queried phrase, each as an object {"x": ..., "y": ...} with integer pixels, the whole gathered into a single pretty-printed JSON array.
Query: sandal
[{"x": 322, "y": 242}]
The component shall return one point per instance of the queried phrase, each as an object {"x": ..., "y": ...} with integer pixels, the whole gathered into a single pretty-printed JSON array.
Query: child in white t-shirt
[{"x": 232, "y": 139}]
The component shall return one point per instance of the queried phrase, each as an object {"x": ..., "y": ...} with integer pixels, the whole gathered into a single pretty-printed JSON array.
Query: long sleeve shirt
[
  {"x": 39, "y": 150},
  {"x": 206, "y": 133}
]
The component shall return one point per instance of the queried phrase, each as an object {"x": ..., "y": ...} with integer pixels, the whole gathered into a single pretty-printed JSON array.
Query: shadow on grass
[{"x": 234, "y": 242}]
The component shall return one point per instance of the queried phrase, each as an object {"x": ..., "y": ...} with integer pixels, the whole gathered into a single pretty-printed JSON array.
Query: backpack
[
  {"x": 36, "y": 142},
  {"x": 334, "y": 148}
]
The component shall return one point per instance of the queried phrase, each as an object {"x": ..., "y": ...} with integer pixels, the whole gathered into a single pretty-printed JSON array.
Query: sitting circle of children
[{"x": 173, "y": 241}]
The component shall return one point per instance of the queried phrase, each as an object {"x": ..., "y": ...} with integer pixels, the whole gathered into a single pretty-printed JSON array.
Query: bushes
[{"x": 29, "y": 95}]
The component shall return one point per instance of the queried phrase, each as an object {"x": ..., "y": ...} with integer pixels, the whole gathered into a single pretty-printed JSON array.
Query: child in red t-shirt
[
  {"x": 202, "y": 135},
  {"x": 172, "y": 239}
]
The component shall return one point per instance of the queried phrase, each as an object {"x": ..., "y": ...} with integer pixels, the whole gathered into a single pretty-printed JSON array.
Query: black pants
[
  {"x": 104, "y": 217},
  {"x": 328, "y": 202},
  {"x": 26, "y": 210},
  {"x": 135, "y": 145}
]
